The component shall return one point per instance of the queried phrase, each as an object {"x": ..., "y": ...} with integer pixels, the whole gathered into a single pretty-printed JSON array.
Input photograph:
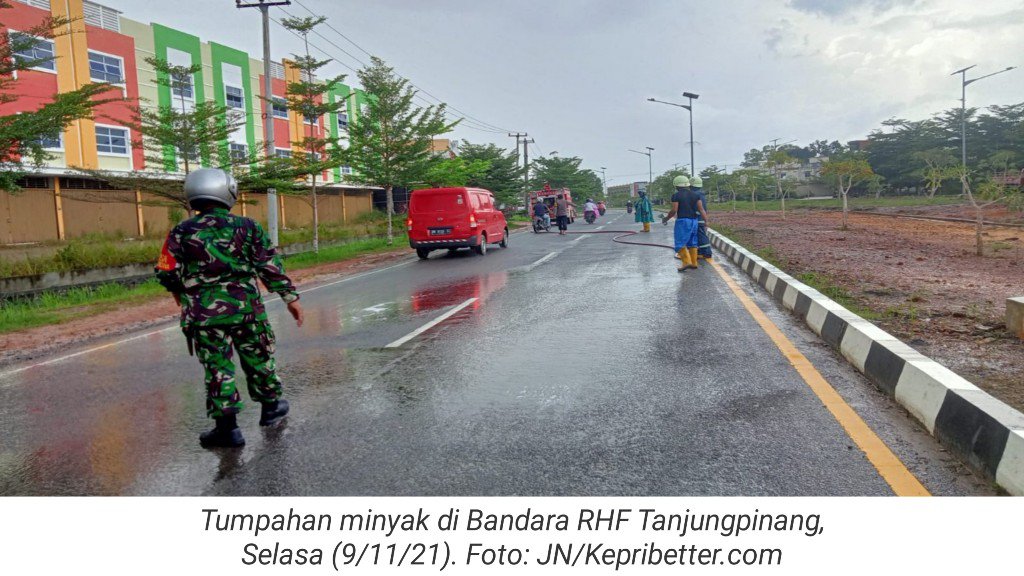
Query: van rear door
[{"x": 438, "y": 213}]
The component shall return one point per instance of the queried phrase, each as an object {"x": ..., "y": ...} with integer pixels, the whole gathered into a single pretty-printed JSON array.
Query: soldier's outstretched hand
[{"x": 295, "y": 309}]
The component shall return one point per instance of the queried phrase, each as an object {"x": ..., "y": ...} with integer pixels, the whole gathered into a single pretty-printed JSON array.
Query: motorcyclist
[
  {"x": 540, "y": 210},
  {"x": 629, "y": 206},
  {"x": 590, "y": 210},
  {"x": 601, "y": 208}
]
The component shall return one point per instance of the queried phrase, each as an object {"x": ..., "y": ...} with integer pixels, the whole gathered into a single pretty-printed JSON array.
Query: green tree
[
  {"x": 776, "y": 162},
  {"x": 938, "y": 167},
  {"x": 308, "y": 96},
  {"x": 449, "y": 172},
  {"x": 662, "y": 188},
  {"x": 503, "y": 176},
  {"x": 389, "y": 145},
  {"x": 21, "y": 134},
  {"x": 565, "y": 172},
  {"x": 176, "y": 136},
  {"x": 988, "y": 192},
  {"x": 848, "y": 172}
]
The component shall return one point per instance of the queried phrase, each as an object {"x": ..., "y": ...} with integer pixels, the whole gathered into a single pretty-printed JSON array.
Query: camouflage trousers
[{"x": 214, "y": 346}]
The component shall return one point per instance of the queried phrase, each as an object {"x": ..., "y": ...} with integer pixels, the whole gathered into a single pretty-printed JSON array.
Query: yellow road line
[{"x": 889, "y": 466}]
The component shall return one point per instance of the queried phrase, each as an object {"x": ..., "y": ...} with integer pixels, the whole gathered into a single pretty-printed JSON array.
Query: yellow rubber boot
[
  {"x": 647, "y": 226},
  {"x": 685, "y": 257},
  {"x": 692, "y": 252}
]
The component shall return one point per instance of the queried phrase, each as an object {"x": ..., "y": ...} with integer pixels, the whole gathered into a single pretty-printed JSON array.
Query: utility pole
[
  {"x": 526, "y": 163},
  {"x": 604, "y": 183},
  {"x": 521, "y": 136},
  {"x": 268, "y": 122}
]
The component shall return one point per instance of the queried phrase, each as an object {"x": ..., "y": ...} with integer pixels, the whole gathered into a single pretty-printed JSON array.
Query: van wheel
[
  {"x": 423, "y": 253},
  {"x": 481, "y": 249},
  {"x": 504, "y": 239}
]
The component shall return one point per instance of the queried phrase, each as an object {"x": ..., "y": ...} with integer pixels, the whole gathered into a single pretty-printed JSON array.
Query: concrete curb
[{"x": 983, "y": 431}]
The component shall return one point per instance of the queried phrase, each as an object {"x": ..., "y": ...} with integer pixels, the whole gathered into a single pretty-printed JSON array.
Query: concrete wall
[
  {"x": 31, "y": 214},
  {"x": 27, "y": 216}
]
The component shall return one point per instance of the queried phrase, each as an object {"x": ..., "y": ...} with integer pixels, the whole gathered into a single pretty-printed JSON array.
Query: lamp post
[
  {"x": 689, "y": 108},
  {"x": 963, "y": 112},
  {"x": 650, "y": 167},
  {"x": 604, "y": 183}
]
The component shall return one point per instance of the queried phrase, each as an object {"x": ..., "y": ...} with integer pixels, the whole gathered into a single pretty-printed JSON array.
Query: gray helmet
[{"x": 211, "y": 184}]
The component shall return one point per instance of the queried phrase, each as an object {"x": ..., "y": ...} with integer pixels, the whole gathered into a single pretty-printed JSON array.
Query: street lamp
[
  {"x": 963, "y": 112},
  {"x": 689, "y": 108},
  {"x": 650, "y": 168},
  {"x": 604, "y": 183}
]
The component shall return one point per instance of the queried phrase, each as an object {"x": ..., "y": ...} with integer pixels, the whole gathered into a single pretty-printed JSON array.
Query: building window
[
  {"x": 282, "y": 152},
  {"x": 239, "y": 152},
  {"x": 34, "y": 182},
  {"x": 103, "y": 68},
  {"x": 51, "y": 141},
  {"x": 100, "y": 16},
  {"x": 314, "y": 120},
  {"x": 233, "y": 97},
  {"x": 279, "y": 107},
  {"x": 36, "y": 53},
  {"x": 181, "y": 87},
  {"x": 346, "y": 169},
  {"x": 342, "y": 121},
  {"x": 807, "y": 173},
  {"x": 44, "y": 4},
  {"x": 111, "y": 140}
]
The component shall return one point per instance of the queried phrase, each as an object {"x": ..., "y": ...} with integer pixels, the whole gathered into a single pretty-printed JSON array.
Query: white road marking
[
  {"x": 176, "y": 327},
  {"x": 529, "y": 267},
  {"x": 431, "y": 324},
  {"x": 378, "y": 308}
]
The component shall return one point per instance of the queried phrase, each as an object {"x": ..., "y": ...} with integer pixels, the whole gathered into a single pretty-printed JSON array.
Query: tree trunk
[
  {"x": 783, "y": 207},
  {"x": 846, "y": 210},
  {"x": 316, "y": 217},
  {"x": 978, "y": 223},
  {"x": 391, "y": 211}
]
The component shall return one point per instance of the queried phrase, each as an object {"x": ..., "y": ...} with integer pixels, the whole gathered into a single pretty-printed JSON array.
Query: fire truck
[{"x": 548, "y": 195}]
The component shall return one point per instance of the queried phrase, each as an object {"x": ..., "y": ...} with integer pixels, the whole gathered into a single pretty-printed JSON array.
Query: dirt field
[
  {"x": 919, "y": 280},
  {"x": 45, "y": 340}
]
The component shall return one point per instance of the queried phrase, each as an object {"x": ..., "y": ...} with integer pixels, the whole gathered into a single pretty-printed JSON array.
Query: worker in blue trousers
[
  {"x": 687, "y": 208},
  {"x": 703, "y": 241}
]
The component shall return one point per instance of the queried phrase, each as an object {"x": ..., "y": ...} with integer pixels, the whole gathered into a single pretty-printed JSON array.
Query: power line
[
  {"x": 449, "y": 116},
  {"x": 449, "y": 106}
]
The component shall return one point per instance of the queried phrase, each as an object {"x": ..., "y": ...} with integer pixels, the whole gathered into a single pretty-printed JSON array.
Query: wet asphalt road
[{"x": 582, "y": 367}]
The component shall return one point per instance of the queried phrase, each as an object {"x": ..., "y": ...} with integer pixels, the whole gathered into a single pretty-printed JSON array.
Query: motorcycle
[
  {"x": 540, "y": 223},
  {"x": 601, "y": 208},
  {"x": 589, "y": 216},
  {"x": 629, "y": 208}
]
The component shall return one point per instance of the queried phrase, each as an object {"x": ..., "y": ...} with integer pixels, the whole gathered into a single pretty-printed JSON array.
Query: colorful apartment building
[{"x": 103, "y": 45}]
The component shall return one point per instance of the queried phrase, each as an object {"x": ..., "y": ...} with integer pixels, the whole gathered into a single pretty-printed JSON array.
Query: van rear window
[{"x": 453, "y": 202}]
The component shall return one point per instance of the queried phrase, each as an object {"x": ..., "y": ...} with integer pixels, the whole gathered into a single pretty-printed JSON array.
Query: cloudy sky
[{"x": 575, "y": 74}]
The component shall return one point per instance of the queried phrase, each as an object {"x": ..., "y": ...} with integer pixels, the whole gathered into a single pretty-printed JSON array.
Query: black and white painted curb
[{"x": 984, "y": 431}]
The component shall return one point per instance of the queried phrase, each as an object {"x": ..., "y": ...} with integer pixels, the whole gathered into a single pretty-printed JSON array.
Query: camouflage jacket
[{"x": 212, "y": 260}]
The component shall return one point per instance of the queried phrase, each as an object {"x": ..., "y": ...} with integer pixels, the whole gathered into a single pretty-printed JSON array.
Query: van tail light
[
  {"x": 408, "y": 224},
  {"x": 472, "y": 221}
]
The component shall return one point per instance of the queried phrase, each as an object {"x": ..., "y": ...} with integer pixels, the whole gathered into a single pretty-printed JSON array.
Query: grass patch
[
  {"x": 54, "y": 308},
  {"x": 57, "y": 308},
  {"x": 824, "y": 284},
  {"x": 343, "y": 252},
  {"x": 105, "y": 251}
]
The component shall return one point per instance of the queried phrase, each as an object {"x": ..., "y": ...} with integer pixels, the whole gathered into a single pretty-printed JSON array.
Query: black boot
[
  {"x": 225, "y": 434},
  {"x": 273, "y": 411}
]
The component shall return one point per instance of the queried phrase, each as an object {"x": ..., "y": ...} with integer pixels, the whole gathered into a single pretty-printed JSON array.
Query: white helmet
[
  {"x": 696, "y": 182},
  {"x": 211, "y": 184}
]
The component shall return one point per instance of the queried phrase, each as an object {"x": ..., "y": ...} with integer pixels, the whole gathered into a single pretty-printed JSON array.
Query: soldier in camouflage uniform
[{"x": 210, "y": 264}]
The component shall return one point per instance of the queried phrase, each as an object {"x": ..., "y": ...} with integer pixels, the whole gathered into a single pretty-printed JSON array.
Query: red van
[{"x": 454, "y": 218}]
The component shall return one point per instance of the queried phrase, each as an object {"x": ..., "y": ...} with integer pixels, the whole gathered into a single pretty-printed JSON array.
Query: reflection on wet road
[{"x": 561, "y": 365}]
